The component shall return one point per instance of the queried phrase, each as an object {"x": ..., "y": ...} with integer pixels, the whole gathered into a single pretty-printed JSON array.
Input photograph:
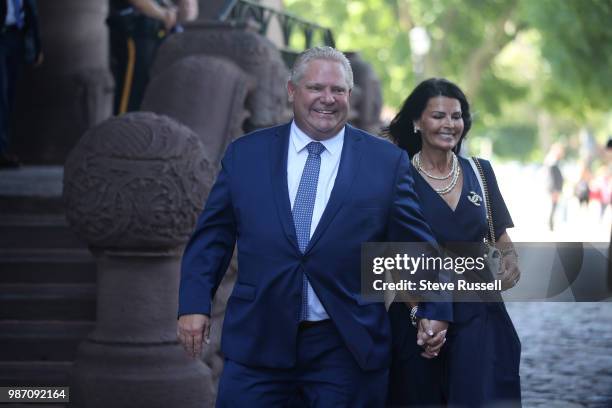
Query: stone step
[
  {"x": 47, "y": 301},
  {"x": 31, "y": 190},
  {"x": 34, "y": 373},
  {"x": 59, "y": 265},
  {"x": 41, "y": 340},
  {"x": 31, "y": 205},
  {"x": 37, "y": 231}
]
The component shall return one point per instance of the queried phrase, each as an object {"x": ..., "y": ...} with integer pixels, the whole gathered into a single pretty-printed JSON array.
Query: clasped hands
[{"x": 431, "y": 335}]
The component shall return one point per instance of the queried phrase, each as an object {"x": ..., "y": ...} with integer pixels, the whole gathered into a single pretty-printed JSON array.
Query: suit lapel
[
  {"x": 279, "y": 146},
  {"x": 349, "y": 163}
]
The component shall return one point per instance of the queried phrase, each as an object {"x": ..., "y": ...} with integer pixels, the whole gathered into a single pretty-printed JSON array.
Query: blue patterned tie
[{"x": 304, "y": 206}]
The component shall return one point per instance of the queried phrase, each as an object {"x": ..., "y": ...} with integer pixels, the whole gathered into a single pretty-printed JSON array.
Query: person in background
[
  {"x": 555, "y": 180},
  {"x": 19, "y": 45},
  {"x": 137, "y": 28},
  {"x": 608, "y": 158},
  {"x": 581, "y": 189},
  {"x": 601, "y": 188},
  {"x": 479, "y": 363}
]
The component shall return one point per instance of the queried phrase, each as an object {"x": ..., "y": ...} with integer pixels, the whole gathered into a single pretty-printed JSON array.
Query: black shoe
[{"x": 8, "y": 161}]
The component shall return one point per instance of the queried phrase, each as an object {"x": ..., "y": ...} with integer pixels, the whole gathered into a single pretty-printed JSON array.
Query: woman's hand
[
  {"x": 431, "y": 336},
  {"x": 509, "y": 272}
]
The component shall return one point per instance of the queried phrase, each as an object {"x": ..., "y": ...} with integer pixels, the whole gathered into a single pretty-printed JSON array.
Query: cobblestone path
[{"x": 566, "y": 353}]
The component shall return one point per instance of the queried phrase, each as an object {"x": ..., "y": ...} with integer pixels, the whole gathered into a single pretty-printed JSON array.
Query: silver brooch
[{"x": 474, "y": 198}]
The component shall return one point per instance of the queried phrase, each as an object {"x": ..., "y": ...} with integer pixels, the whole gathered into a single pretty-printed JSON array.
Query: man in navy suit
[
  {"x": 19, "y": 44},
  {"x": 299, "y": 200}
]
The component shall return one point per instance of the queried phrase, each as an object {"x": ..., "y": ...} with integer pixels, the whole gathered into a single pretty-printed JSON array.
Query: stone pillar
[
  {"x": 205, "y": 93},
  {"x": 251, "y": 52},
  {"x": 366, "y": 100},
  {"x": 210, "y": 9},
  {"x": 72, "y": 90},
  {"x": 133, "y": 188}
]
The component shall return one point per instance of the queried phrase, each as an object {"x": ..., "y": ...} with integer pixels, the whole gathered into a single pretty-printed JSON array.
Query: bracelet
[{"x": 413, "y": 317}]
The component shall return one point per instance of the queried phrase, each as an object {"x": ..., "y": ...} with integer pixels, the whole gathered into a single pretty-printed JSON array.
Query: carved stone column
[
  {"x": 72, "y": 90},
  {"x": 209, "y": 9},
  {"x": 367, "y": 102},
  {"x": 133, "y": 188},
  {"x": 205, "y": 93},
  {"x": 253, "y": 53}
]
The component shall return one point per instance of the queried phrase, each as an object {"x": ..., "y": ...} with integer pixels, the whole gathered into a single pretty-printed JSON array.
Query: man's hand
[
  {"x": 170, "y": 18},
  {"x": 431, "y": 336},
  {"x": 192, "y": 329},
  {"x": 150, "y": 8}
]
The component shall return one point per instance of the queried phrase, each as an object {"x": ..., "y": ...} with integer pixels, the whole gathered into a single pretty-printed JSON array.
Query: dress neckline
[{"x": 438, "y": 197}]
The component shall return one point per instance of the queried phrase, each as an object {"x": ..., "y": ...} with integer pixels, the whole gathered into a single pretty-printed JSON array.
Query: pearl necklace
[
  {"x": 453, "y": 175},
  {"x": 454, "y": 166}
]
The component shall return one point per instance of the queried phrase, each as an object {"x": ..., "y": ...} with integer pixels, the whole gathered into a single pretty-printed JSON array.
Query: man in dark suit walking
[
  {"x": 19, "y": 44},
  {"x": 299, "y": 200}
]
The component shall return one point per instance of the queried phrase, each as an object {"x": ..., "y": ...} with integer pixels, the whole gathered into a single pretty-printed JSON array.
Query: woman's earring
[{"x": 416, "y": 130}]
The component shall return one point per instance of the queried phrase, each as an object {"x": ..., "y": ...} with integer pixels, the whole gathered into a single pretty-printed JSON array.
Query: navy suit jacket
[
  {"x": 31, "y": 30},
  {"x": 372, "y": 200}
]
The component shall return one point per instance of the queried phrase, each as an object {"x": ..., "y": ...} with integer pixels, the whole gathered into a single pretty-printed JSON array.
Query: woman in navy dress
[{"x": 478, "y": 365}]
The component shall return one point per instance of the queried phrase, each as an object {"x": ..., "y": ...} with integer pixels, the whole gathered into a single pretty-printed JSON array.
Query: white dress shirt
[{"x": 330, "y": 161}]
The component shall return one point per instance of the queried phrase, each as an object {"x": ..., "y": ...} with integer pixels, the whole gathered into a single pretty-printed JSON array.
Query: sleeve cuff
[{"x": 442, "y": 311}]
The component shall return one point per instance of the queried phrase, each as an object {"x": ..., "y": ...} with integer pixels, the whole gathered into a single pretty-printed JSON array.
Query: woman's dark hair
[{"x": 401, "y": 128}]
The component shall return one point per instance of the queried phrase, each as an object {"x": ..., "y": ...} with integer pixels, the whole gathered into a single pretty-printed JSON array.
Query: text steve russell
[{"x": 426, "y": 285}]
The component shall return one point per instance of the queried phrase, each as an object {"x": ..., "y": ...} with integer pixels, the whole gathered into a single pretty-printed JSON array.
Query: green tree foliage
[
  {"x": 576, "y": 42},
  {"x": 558, "y": 53},
  {"x": 466, "y": 36}
]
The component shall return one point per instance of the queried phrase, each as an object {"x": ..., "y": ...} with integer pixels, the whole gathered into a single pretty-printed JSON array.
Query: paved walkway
[
  {"x": 32, "y": 181},
  {"x": 567, "y": 353}
]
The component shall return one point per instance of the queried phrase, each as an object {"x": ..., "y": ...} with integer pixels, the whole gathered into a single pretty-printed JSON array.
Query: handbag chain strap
[{"x": 491, "y": 237}]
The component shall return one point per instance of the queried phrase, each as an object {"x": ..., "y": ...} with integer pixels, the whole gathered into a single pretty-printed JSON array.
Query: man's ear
[{"x": 290, "y": 91}]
